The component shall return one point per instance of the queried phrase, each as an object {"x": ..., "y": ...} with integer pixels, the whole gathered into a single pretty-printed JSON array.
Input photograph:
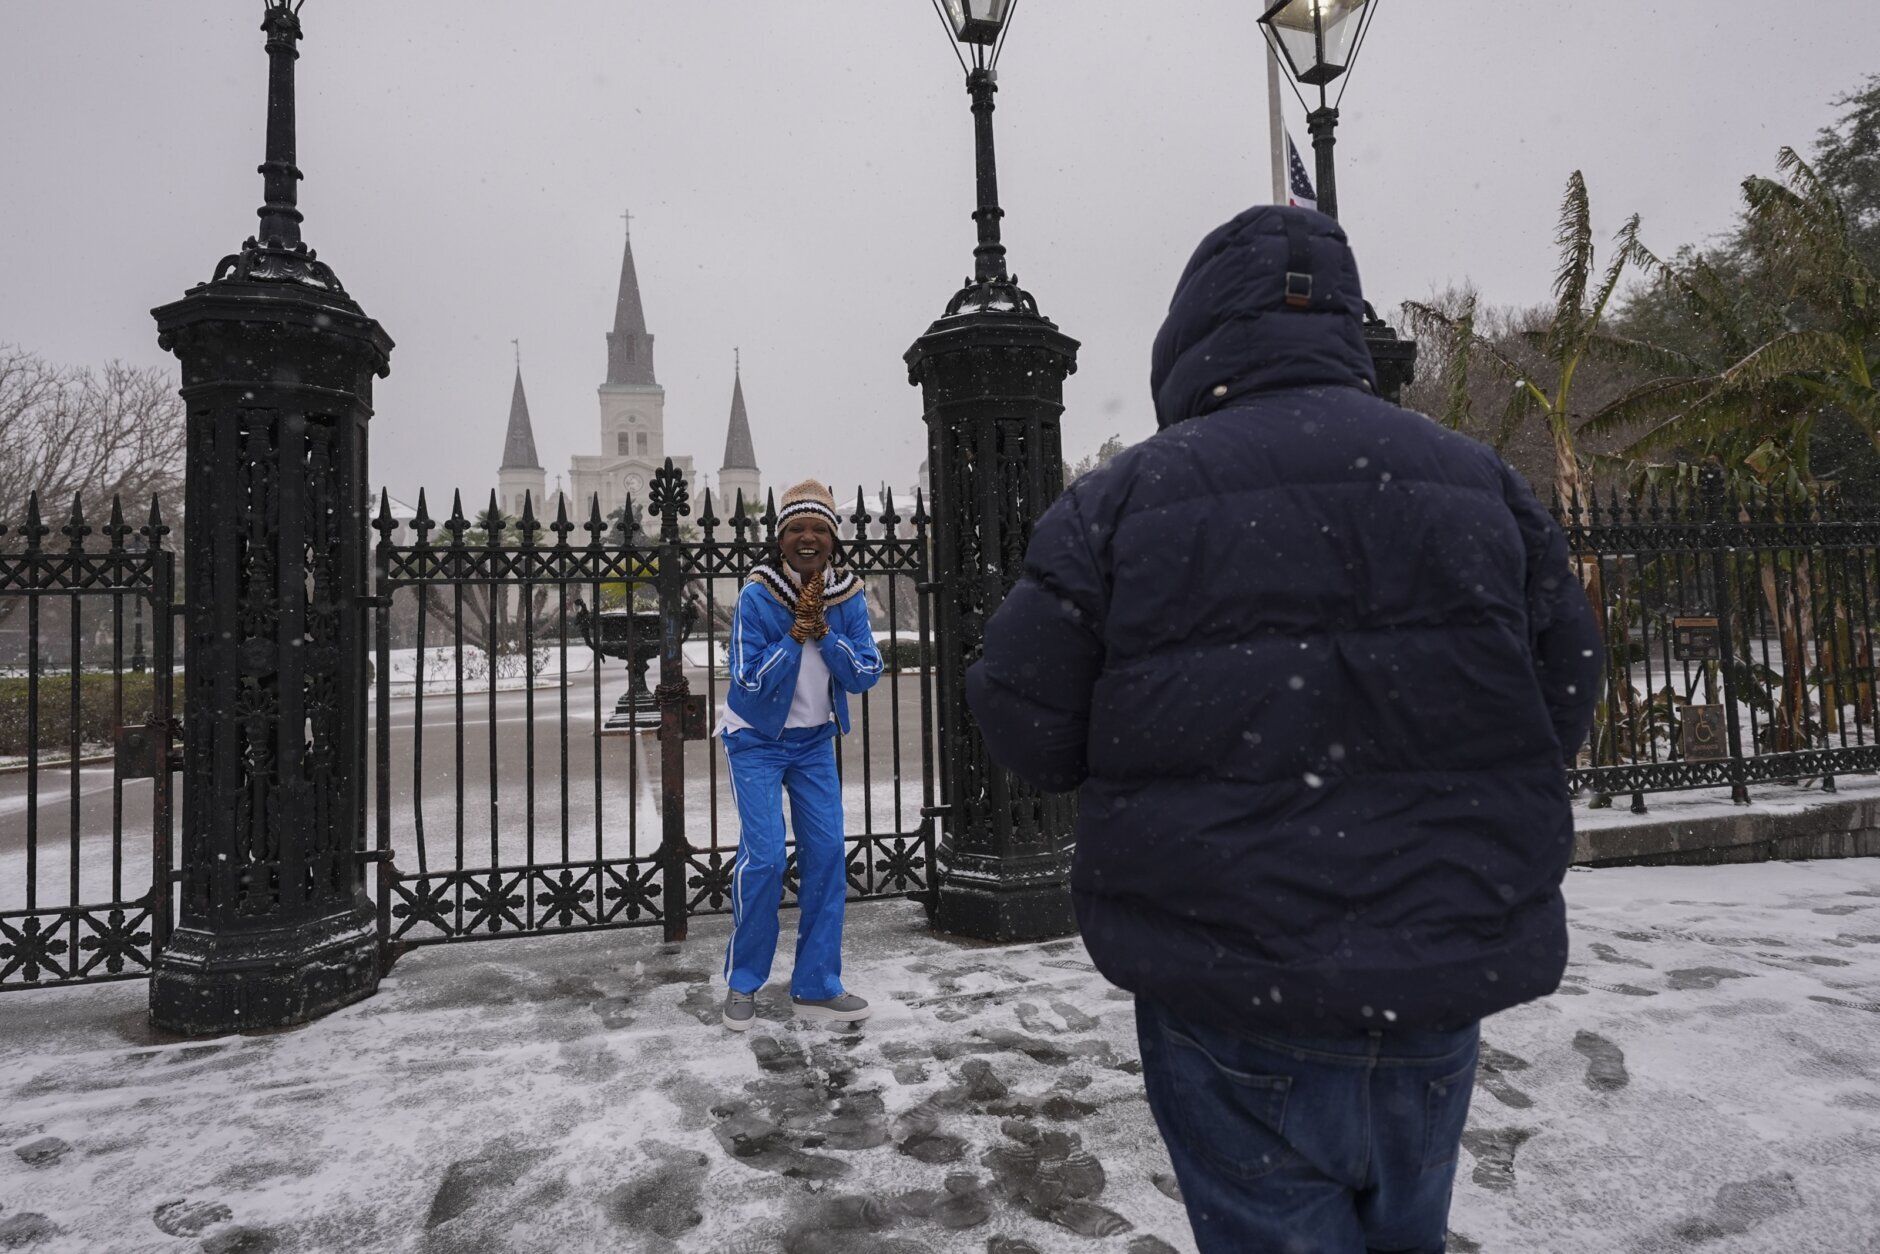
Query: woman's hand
[{"x": 810, "y": 623}]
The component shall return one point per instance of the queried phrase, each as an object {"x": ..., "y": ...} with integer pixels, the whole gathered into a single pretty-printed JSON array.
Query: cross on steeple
[{"x": 517, "y": 345}]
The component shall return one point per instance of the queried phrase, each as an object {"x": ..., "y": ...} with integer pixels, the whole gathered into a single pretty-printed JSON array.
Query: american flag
[{"x": 1299, "y": 186}]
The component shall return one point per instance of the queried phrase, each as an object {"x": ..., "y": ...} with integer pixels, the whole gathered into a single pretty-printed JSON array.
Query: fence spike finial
[
  {"x": 493, "y": 525},
  {"x": 76, "y": 529},
  {"x": 115, "y": 529},
  {"x": 596, "y": 526},
  {"x": 35, "y": 527},
  {"x": 384, "y": 523},
  {"x": 457, "y": 524},
  {"x": 155, "y": 529},
  {"x": 561, "y": 526},
  {"x": 526, "y": 526}
]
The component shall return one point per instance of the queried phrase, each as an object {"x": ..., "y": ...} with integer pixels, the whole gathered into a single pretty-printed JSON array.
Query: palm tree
[
  {"x": 1565, "y": 343},
  {"x": 1776, "y": 368}
]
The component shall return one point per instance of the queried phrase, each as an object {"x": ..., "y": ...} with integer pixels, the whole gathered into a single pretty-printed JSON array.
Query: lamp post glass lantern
[
  {"x": 1318, "y": 38},
  {"x": 978, "y": 21}
]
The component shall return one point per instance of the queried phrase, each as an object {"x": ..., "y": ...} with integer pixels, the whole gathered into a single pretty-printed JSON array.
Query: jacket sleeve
[
  {"x": 1031, "y": 688},
  {"x": 1564, "y": 634},
  {"x": 760, "y": 666},
  {"x": 849, "y": 649}
]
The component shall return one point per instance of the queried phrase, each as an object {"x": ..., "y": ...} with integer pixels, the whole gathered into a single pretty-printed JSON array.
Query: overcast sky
[{"x": 801, "y": 178}]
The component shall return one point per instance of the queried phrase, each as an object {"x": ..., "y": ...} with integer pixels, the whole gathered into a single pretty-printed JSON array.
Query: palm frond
[
  {"x": 1625, "y": 239},
  {"x": 1786, "y": 356},
  {"x": 1701, "y": 424},
  {"x": 1656, "y": 402},
  {"x": 1574, "y": 237},
  {"x": 1618, "y": 350}
]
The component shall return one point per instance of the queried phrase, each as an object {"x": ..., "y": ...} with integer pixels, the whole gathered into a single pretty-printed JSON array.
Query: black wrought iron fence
[
  {"x": 87, "y": 691},
  {"x": 530, "y": 778},
  {"x": 1740, "y": 636}
]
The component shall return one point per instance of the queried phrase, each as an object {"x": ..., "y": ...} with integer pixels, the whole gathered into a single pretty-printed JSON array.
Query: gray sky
[{"x": 800, "y": 176}]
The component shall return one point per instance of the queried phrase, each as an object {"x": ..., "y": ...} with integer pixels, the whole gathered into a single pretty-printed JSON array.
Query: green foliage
[
  {"x": 1582, "y": 295},
  {"x": 96, "y": 709},
  {"x": 1784, "y": 332},
  {"x": 905, "y": 655}
]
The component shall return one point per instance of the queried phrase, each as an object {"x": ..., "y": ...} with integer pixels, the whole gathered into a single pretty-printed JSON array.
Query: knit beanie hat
[{"x": 809, "y": 497}]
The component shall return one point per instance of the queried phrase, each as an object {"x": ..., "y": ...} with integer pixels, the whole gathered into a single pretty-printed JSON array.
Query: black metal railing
[
  {"x": 528, "y": 783},
  {"x": 1739, "y": 630},
  {"x": 87, "y": 691}
]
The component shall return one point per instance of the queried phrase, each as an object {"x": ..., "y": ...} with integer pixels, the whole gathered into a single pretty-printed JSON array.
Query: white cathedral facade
[{"x": 632, "y": 432}]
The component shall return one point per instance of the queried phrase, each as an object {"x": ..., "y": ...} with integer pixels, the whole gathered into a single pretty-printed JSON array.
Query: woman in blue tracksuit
[{"x": 800, "y": 643}]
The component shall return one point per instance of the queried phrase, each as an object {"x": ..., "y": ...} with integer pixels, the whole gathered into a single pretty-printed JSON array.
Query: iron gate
[
  {"x": 87, "y": 690},
  {"x": 527, "y": 783}
]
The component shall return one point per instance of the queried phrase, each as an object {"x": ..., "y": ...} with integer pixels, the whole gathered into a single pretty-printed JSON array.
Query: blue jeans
[
  {"x": 803, "y": 762},
  {"x": 1309, "y": 1145}
]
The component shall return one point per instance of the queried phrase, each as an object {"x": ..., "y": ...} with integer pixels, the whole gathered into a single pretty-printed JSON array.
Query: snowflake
[
  {"x": 31, "y": 946},
  {"x": 115, "y": 941},
  {"x": 635, "y": 890},
  {"x": 566, "y": 901},
  {"x": 711, "y": 881},
  {"x": 899, "y": 866},
  {"x": 424, "y": 900},
  {"x": 494, "y": 903}
]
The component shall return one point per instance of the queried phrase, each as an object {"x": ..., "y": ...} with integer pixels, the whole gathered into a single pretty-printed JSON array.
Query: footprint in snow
[
  {"x": 1491, "y": 1073},
  {"x": 1605, "y": 1062}
]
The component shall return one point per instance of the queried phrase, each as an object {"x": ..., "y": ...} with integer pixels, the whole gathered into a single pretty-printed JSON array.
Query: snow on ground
[{"x": 1708, "y": 1079}]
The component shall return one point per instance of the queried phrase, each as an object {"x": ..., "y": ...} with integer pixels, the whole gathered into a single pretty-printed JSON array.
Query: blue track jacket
[{"x": 765, "y": 658}]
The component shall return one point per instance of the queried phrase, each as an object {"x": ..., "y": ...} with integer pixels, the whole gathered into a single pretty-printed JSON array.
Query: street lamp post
[
  {"x": 991, "y": 371},
  {"x": 1319, "y": 40},
  {"x": 277, "y": 363}
]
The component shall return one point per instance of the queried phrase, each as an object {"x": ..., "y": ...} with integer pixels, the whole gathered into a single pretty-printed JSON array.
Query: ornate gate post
[
  {"x": 277, "y": 361},
  {"x": 991, "y": 374}
]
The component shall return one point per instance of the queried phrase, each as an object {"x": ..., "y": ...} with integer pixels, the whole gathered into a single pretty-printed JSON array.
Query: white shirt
[{"x": 810, "y": 705}]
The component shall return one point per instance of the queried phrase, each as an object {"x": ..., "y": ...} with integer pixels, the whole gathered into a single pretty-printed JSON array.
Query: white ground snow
[{"x": 1709, "y": 1079}]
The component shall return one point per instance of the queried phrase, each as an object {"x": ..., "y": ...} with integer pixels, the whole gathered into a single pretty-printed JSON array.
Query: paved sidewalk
[{"x": 1709, "y": 1079}]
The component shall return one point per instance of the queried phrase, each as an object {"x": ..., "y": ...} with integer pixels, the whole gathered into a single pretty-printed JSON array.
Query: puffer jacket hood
[{"x": 1231, "y": 331}]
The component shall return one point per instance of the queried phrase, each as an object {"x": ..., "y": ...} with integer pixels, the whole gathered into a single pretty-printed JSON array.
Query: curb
[{"x": 1834, "y": 829}]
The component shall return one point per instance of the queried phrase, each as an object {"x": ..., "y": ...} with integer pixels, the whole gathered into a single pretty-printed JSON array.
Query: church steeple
[
  {"x": 629, "y": 346},
  {"x": 520, "y": 479},
  {"x": 739, "y": 473},
  {"x": 739, "y": 453},
  {"x": 519, "y": 444}
]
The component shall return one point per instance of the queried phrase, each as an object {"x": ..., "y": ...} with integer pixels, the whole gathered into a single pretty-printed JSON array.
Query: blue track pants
[{"x": 803, "y": 761}]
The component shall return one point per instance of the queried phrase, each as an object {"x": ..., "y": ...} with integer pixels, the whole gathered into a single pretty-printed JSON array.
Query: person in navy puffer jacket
[{"x": 1315, "y": 665}]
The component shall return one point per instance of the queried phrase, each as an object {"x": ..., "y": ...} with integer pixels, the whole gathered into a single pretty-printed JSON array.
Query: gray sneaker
[
  {"x": 740, "y": 1010},
  {"x": 848, "y": 1008}
]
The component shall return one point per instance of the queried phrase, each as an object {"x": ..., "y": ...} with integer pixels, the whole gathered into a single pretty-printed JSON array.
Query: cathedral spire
[
  {"x": 629, "y": 346},
  {"x": 519, "y": 445},
  {"x": 739, "y": 452}
]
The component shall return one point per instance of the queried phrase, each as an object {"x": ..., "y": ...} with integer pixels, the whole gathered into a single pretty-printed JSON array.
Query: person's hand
[{"x": 810, "y": 624}]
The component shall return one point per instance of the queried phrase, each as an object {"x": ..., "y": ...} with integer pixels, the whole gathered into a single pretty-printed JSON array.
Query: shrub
[
  {"x": 96, "y": 712},
  {"x": 905, "y": 655}
]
